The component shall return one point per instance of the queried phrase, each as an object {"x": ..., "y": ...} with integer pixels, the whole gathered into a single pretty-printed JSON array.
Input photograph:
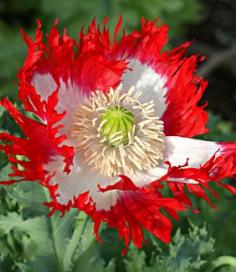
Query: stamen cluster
[{"x": 118, "y": 149}]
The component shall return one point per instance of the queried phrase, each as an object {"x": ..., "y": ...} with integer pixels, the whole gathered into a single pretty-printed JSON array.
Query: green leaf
[
  {"x": 63, "y": 243},
  {"x": 136, "y": 261},
  {"x": 219, "y": 130},
  {"x": 87, "y": 256},
  {"x": 77, "y": 241},
  {"x": 186, "y": 253},
  {"x": 49, "y": 237}
]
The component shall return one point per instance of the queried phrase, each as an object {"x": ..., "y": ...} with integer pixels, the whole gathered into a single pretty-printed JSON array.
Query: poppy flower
[{"x": 112, "y": 123}]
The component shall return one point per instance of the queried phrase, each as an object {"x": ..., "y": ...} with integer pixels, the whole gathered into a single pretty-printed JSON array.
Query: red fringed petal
[
  {"x": 40, "y": 143},
  {"x": 136, "y": 209},
  {"x": 66, "y": 59},
  {"x": 145, "y": 44},
  {"x": 183, "y": 116},
  {"x": 123, "y": 185},
  {"x": 218, "y": 167}
]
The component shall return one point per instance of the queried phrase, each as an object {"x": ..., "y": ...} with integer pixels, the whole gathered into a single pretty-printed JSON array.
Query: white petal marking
[
  {"x": 81, "y": 179},
  {"x": 44, "y": 84},
  {"x": 69, "y": 98},
  {"x": 145, "y": 79},
  {"x": 142, "y": 178},
  {"x": 179, "y": 149}
]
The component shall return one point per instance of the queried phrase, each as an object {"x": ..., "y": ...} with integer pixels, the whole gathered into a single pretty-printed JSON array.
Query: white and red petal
[
  {"x": 173, "y": 85},
  {"x": 200, "y": 160},
  {"x": 120, "y": 204},
  {"x": 193, "y": 164},
  {"x": 40, "y": 143},
  {"x": 52, "y": 61}
]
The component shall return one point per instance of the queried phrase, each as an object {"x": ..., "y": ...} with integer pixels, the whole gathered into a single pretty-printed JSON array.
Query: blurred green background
[{"x": 29, "y": 241}]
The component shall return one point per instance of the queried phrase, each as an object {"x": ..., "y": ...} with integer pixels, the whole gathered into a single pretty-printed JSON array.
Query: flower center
[
  {"x": 116, "y": 125},
  {"x": 117, "y": 134}
]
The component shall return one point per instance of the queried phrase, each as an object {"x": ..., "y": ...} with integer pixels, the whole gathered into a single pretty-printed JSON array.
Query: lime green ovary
[{"x": 116, "y": 123}]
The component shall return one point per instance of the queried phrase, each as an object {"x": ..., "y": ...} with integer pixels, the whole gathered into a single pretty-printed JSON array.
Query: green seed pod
[{"x": 116, "y": 123}]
